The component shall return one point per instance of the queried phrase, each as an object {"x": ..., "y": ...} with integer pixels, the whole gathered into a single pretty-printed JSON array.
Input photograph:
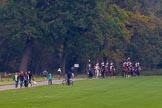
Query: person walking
[
  {"x": 30, "y": 75},
  {"x": 59, "y": 73},
  {"x": 21, "y": 79},
  {"x": 16, "y": 79},
  {"x": 50, "y": 77},
  {"x": 26, "y": 79},
  {"x": 45, "y": 73}
]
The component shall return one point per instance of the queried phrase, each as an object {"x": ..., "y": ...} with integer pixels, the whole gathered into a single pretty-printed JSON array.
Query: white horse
[{"x": 97, "y": 71}]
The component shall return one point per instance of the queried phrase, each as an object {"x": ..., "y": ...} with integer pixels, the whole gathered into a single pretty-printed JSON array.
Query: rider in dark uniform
[
  {"x": 103, "y": 69},
  {"x": 89, "y": 68}
]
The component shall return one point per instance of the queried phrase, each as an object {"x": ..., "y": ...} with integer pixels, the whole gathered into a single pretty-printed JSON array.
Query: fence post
[{"x": 0, "y": 77}]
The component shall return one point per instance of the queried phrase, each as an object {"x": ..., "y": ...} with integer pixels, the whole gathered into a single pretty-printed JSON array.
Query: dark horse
[
  {"x": 125, "y": 71},
  {"x": 111, "y": 72},
  {"x": 137, "y": 70}
]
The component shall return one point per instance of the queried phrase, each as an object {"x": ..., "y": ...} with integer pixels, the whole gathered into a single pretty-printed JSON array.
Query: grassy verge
[
  {"x": 152, "y": 72},
  {"x": 139, "y": 92},
  {"x": 9, "y": 81}
]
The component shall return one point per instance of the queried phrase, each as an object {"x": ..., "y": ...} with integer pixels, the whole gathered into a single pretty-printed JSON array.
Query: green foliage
[{"x": 74, "y": 31}]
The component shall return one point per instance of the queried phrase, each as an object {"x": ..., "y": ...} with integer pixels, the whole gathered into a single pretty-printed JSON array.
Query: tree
[{"x": 21, "y": 21}]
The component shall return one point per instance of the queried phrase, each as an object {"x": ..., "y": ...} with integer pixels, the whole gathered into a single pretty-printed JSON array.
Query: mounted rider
[
  {"x": 89, "y": 69},
  {"x": 107, "y": 68},
  {"x": 112, "y": 69},
  {"x": 97, "y": 70},
  {"x": 137, "y": 68},
  {"x": 102, "y": 69}
]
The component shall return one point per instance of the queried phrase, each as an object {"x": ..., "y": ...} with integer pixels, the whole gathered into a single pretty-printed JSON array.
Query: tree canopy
[{"x": 46, "y": 34}]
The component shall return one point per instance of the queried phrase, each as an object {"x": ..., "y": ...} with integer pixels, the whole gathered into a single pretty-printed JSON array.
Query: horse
[
  {"x": 97, "y": 71},
  {"x": 125, "y": 72},
  {"x": 103, "y": 72},
  {"x": 107, "y": 69},
  {"x": 111, "y": 71},
  {"x": 137, "y": 70},
  {"x": 89, "y": 73}
]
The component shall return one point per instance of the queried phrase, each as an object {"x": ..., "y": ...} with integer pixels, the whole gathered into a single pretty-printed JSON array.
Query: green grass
[
  {"x": 6, "y": 81},
  {"x": 9, "y": 81},
  {"x": 141, "y": 92},
  {"x": 156, "y": 72}
]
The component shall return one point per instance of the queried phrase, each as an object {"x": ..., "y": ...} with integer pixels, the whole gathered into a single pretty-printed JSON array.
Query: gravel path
[{"x": 10, "y": 87}]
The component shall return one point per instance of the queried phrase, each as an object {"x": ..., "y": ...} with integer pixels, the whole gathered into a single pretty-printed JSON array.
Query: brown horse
[
  {"x": 137, "y": 70},
  {"x": 112, "y": 72},
  {"x": 125, "y": 71}
]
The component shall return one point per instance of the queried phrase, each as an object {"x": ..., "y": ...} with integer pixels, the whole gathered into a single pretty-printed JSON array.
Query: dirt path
[{"x": 10, "y": 87}]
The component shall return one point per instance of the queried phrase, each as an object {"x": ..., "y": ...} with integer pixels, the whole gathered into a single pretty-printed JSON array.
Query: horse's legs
[{"x": 97, "y": 73}]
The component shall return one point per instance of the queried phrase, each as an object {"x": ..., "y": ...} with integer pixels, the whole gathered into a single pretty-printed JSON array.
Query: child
[{"x": 50, "y": 79}]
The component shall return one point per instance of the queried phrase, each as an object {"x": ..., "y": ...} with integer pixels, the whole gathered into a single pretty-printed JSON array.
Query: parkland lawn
[{"x": 137, "y": 92}]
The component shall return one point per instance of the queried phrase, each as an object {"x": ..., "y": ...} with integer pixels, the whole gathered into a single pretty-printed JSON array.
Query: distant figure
[
  {"x": 30, "y": 77},
  {"x": 50, "y": 79},
  {"x": 16, "y": 79},
  {"x": 97, "y": 70},
  {"x": 112, "y": 70},
  {"x": 72, "y": 72},
  {"x": 137, "y": 69},
  {"x": 69, "y": 75},
  {"x": 59, "y": 73},
  {"x": 89, "y": 70},
  {"x": 45, "y": 73},
  {"x": 26, "y": 79},
  {"x": 21, "y": 79},
  {"x": 103, "y": 69}
]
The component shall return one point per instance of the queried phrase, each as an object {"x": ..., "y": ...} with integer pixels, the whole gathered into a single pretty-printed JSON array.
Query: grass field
[
  {"x": 141, "y": 92},
  {"x": 9, "y": 81}
]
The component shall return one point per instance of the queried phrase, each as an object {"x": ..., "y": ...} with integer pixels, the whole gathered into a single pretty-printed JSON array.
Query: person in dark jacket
[
  {"x": 21, "y": 79},
  {"x": 69, "y": 75},
  {"x": 30, "y": 75},
  {"x": 26, "y": 79}
]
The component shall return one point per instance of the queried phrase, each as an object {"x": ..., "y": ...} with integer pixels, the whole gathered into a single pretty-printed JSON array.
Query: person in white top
[
  {"x": 97, "y": 70},
  {"x": 16, "y": 79},
  {"x": 59, "y": 73}
]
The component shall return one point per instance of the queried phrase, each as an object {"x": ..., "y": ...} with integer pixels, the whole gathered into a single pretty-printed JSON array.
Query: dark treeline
[{"x": 45, "y": 34}]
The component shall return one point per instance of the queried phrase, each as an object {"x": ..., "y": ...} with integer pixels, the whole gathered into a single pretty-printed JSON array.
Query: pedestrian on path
[
  {"x": 26, "y": 79},
  {"x": 59, "y": 73},
  {"x": 21, "y": 79},
  {"x": 45, "y": 73},
  {"x": 50, "y": 79},
  {"x": 16, "y": 79},
  {"x": 30, "y": 75}
]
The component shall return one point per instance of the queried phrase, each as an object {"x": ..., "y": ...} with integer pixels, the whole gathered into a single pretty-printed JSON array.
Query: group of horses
[
  {"x": 109, "y": 70},
  {"x": 100, "y": 71},
  {"x": 128, "y": 71}
]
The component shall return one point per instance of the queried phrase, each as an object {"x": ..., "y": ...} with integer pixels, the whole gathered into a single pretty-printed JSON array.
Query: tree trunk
[
  {"x": 6, "y": 62},
  {"x": 63, "y": 64},
  {"x": 26, "y": 56}
]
